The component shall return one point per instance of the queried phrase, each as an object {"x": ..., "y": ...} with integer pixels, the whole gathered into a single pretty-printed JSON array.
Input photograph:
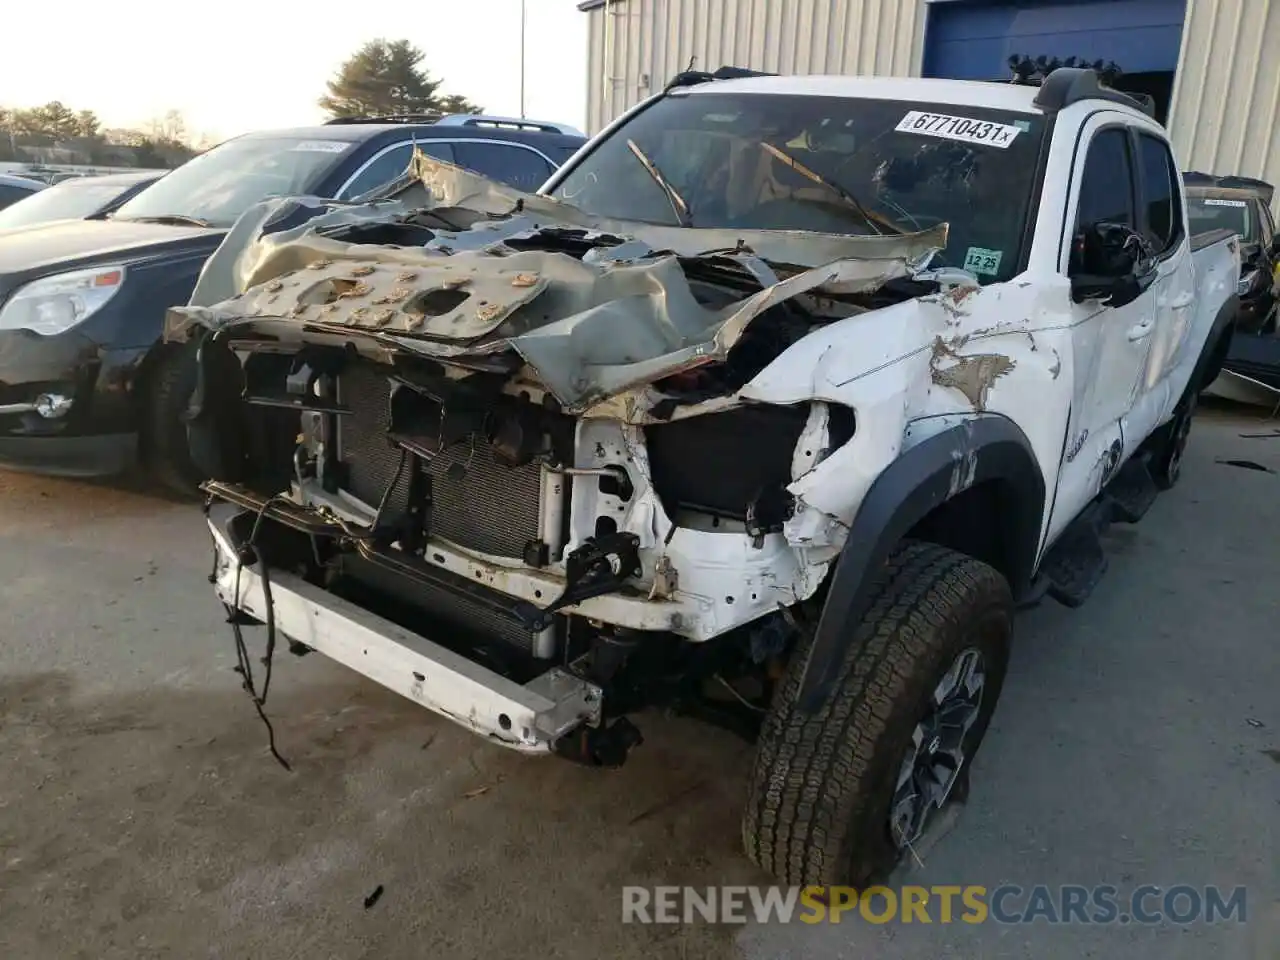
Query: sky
[{"x": 237, "y": 65}]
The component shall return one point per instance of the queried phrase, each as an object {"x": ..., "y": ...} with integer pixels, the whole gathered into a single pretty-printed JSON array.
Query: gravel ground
[{"x": 1138, "y": 741}]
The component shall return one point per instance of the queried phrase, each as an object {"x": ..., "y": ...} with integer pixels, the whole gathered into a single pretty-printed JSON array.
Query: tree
[
  {"x": 57, "y": 121},
  {"x": 170, "y": 128},
  {"x": 384, "y": 77},
  {"x": 453, "y": 103},
  {"x": 26, "y": 135},
  {"x": 88, "y": 125}
]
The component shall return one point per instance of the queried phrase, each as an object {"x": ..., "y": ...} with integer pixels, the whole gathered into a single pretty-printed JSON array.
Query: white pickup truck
[{"x": 771, "y": 407}]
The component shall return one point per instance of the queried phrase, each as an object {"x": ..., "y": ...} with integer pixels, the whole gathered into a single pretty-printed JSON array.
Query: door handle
[
  {"x": 1180, "y": 302},
  {"x": 1140, "y": 330}
]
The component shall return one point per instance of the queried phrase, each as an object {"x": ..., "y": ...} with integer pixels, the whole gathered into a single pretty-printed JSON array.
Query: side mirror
[{"x": 1110, "y": 263}]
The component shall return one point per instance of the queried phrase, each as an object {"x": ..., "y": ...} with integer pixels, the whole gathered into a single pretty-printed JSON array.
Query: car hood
[
  {"x": 28, "y": 253},
  {"x": 459, "y": 269}
]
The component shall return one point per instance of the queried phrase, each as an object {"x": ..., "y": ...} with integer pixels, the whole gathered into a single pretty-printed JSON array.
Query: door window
[
  {"x": 518, "y": 167},
  {"x": 387, "y": 166},
  {"x": 1106, "y": 189},
  {"x": 1161, "y": 201}
]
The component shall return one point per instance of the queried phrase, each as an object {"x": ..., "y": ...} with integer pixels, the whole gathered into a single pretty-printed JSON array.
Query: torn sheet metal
[{"x": 588, "y": 328}]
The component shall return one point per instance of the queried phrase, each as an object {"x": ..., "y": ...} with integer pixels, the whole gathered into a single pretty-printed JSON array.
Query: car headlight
[
  {"x": 1246, "y": 283},
  {"x": 54, "y": 304}
]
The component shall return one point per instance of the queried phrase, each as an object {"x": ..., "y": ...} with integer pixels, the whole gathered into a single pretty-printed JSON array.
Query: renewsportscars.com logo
[{"x": 1147, "y": 904}]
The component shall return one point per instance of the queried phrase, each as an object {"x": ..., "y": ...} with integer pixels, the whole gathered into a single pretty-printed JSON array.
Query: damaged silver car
[{"x": 768, "y": 409}]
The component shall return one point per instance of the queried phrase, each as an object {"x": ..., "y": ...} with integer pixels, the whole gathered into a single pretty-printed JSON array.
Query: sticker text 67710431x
[{"x": 965, "y": 129}]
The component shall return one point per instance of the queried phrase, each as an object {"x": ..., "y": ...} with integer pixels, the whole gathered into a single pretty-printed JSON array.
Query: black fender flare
[
  {"x": 1216, "y": 346},
  {"x": 925, "y": 476}
]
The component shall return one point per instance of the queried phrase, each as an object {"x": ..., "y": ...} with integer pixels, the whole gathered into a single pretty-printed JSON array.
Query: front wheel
[
  {"x": 839, "y": 796},
  {"x": 167, "y": 393}
]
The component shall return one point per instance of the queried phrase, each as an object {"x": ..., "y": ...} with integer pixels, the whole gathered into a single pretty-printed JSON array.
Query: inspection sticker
[
  {"x": 963, "y": 129},
  {"x": 982, "y": 260},
  {"x": 1223, "y": 203},
  {"x": 321, "y": 146}
]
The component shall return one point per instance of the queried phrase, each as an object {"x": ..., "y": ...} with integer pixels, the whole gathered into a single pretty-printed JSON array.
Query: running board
[{"x": 1075, "y": 564}]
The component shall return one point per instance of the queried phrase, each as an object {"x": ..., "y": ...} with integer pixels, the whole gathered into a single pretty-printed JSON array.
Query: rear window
[
  {"x": 1218, "y": 213},
  {"x": 825, "y": 164}
]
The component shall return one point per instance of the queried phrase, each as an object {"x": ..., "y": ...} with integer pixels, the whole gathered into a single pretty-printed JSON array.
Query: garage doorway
[{"x": 974, "y": 39}]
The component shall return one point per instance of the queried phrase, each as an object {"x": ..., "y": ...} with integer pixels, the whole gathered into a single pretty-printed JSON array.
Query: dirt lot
[{"x": 140, "y": 815}]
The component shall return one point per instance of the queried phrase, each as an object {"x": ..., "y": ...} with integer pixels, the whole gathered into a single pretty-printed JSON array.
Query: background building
[{"x": 1213, "y": 66}]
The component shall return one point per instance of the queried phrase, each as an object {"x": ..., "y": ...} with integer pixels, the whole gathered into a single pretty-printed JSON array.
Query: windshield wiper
[
  {"x": 874, "y": 221},
  {"x": 678, "y": 206},
  {"x": 174, "y": 219}
]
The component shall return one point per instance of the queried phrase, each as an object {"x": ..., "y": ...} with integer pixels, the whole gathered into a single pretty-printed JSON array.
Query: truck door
[
  {"x": 1109, "y": 343},
  {"x": 1160, "y": 210}
]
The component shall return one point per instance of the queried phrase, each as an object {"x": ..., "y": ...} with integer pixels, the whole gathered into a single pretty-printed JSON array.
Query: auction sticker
[
  {"x": 1223, "y": 203},
  {"x": 964, "y": 129},
  {"x": 322, "y": 146},
  {"x": 984, "y": 261}
]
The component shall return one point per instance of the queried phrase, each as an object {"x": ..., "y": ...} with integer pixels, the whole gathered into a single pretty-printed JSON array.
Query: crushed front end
[{"x": 496, "y": 455}]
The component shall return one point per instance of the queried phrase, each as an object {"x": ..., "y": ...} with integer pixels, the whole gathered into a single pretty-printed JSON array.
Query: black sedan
[{"x": 87, "y": 385}]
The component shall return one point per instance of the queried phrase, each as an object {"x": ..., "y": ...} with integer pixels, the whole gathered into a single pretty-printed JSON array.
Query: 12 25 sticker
[{"x": 982, "y": 261}]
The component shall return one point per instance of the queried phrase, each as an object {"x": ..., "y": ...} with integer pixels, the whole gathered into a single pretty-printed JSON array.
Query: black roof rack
[
  {"x": 690, "y": 78},
  {"x": 390, "y": 118},
  {"x": 1067, "y": 85}
]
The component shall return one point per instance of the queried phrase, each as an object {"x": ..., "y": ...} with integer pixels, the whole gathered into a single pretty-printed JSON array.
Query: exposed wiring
[{"x": 248, "y": 554}]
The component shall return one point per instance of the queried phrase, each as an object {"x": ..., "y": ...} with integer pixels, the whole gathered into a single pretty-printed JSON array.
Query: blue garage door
[{"x": 973, "y": 39}]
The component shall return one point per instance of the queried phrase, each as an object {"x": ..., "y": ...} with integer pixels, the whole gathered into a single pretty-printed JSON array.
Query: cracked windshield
[{"x": 824, "y": 164}]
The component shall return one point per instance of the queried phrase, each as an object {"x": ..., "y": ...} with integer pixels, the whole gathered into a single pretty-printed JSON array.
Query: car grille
[{"x": 476, "y": 501}]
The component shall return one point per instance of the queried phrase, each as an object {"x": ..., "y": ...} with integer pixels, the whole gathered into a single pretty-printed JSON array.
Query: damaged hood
[{"x": 455, "y": 267}]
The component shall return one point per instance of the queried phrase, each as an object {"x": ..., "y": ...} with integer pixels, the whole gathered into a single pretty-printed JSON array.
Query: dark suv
[
  {"x": 1242, "y": 205},
  {"x": 86, "y": 386}
]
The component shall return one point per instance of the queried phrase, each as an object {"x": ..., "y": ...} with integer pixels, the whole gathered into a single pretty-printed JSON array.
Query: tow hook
[
  {"x": 599, "y": 566},
  {"x": 604, "y": 746}
]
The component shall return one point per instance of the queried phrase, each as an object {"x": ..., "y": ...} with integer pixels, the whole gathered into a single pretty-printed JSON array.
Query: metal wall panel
[
  {"x": 1226, "y": 95},
  {"x": 636, "y": 46}
]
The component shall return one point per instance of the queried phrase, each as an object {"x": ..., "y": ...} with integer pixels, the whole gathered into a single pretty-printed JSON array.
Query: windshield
[
  {"x": 1213, "y": 213},
  {"x": 71, "y": 200},
  {"x": 223, "y": 183},
  {"x": 827, "y": 164}
]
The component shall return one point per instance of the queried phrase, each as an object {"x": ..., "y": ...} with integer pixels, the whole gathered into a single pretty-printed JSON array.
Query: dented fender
[{"x": 924, "y": 477}]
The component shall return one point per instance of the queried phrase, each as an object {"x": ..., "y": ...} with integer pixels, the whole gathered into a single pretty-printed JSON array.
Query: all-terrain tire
[
  {"x": 167, "y": 391},
  {"x": 820, "y": 793}
]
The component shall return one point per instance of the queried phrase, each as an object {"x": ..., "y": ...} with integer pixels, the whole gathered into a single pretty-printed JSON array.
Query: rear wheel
[
  {"x": 1166, "y": 463},
  {"x": 166, "y": 396},
  {"x": 837, "y": 797}
]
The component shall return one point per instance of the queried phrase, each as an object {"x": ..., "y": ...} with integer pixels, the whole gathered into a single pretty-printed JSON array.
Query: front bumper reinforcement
[{"x": 528, "y": 718}]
